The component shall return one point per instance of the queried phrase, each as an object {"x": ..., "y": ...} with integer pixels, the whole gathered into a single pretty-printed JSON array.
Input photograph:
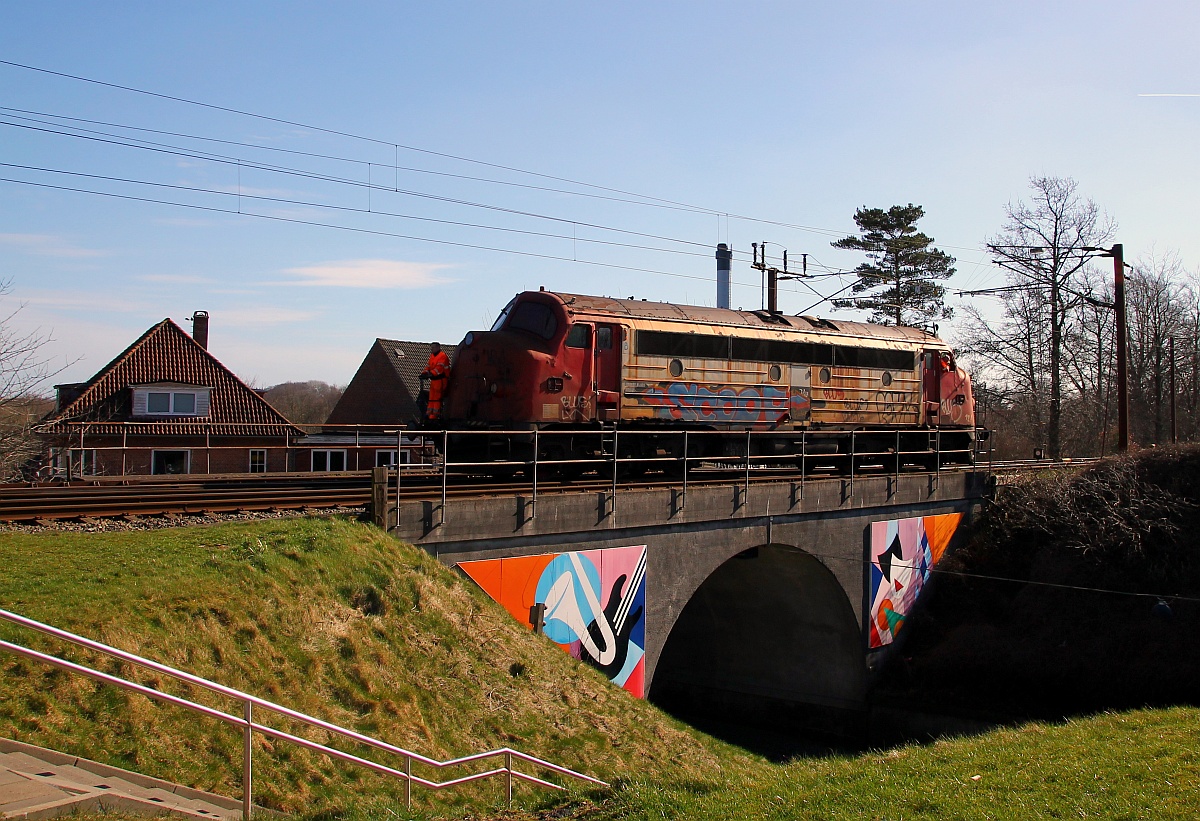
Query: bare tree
[
  {"x": 304, "y": 403},
  {"x": 24, "y": 368},
  {"x": 1160, "y": 306},
  {"x": 1045, "y": 247}
]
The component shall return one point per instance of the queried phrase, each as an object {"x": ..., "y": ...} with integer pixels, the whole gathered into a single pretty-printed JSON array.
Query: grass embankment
[
  {"x": 325, "y": 616},
  {"x": 335, "y": 619}
]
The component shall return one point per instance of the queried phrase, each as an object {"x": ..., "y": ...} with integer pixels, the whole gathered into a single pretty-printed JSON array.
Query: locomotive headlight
[{"x": 492, "y": 387}]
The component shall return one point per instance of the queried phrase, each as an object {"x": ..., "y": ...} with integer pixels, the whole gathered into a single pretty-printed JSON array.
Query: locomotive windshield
[
  {"x": 499, "y": 323},
  {"x": 532, "y": 317}
]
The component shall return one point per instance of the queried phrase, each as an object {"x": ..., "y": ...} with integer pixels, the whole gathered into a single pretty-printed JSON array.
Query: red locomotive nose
[{"x": 493, "y": 380}]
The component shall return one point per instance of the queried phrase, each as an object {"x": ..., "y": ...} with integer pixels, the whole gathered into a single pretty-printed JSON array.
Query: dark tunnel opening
[{"x": 767, "y": 654}]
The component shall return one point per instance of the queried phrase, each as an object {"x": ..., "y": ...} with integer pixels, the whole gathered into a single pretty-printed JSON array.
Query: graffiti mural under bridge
[
  {"x": 903, "y": 555},
  {"x": 594, "y": 604}
]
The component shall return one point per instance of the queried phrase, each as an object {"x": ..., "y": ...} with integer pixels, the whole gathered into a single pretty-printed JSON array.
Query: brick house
[
  {"x": 385, "y": 388},
  {"x": 168, "y": 406}
]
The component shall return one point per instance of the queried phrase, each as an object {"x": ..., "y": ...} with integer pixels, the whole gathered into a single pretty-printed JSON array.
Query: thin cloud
[
  {"x": 253, "y": 317},
  {"x": 48, "y": 245},
  {"x": 176, "y": 279},
  {"x": 367, "y": 273}
]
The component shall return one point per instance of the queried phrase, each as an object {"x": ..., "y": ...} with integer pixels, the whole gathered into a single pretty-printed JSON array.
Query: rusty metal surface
[{"x": 581, "y": 304}]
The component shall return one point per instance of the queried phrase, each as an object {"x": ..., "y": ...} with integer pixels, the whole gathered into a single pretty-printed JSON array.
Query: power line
[
  {"x": 336, "y": 132},
  {"x": 334, "y": 157},
  {"x": 355, "y": 229},
  {"x": 305, "y": 174},
  {"x": 346, "y": 208},
  {"x": 397, "y": 146},
  {"x": 180, "y": 151}
]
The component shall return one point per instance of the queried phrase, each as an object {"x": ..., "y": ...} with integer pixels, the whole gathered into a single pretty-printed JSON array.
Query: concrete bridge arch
[
  {"x": 752, "y": 593},
  {"x": 769, "y": 626}
]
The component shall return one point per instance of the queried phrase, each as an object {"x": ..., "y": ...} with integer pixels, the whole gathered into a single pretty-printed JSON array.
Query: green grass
[{"x": 335, "y": 619}]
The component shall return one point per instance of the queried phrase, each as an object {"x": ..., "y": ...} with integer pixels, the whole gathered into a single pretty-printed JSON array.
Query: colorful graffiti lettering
[
  {"x": 692, "y": 402},
  {"x": 595, "y": 604},
  {"x": 903, "y": 554}
]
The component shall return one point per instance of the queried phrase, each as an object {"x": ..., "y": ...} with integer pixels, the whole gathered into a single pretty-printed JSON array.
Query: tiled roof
[
  {"x": 384, "y": 390},
  {"x": 167, "y": 354}
]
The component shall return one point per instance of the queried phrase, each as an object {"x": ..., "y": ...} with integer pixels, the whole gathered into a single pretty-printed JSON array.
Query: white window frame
[
  {"x": 73, "y": 461},
  {"x": 250, "y": 465},
  {"x": 181, "y": 400},
  {"x": 390, "y": 458},
  {"x": 172, "y": 400},
  {"x": 328, "y": 452},
  {"x": 187, "y": 461}
]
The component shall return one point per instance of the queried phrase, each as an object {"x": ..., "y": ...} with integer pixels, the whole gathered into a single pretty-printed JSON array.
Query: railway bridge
[{"x": 773, "y": 594}]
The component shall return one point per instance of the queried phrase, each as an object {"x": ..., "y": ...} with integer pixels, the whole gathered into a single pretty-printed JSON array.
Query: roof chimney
[
  {"x": 200, "y": 328},
  {"x": 724, "y": 261}
]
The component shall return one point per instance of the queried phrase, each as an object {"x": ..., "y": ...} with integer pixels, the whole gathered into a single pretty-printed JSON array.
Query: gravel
[{"x": 87, "y": 525}]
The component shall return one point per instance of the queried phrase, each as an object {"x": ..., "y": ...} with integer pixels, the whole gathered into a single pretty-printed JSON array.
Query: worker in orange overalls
[{"x": 437, "y": 371}]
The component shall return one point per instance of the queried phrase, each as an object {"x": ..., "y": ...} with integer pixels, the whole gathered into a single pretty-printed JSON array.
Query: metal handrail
[{"x": 250, "y": 726}]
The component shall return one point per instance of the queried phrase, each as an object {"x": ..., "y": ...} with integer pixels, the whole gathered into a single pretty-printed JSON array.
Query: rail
[{"x": 250, "y": 726}]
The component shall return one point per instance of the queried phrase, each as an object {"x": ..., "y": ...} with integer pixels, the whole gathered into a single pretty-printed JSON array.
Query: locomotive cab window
[
  {"x": 578, "y": 336},
  {"x": 604, "y": 338},
  {"x": 533, "y": 318},
  {"x": 499, "y": 323}
]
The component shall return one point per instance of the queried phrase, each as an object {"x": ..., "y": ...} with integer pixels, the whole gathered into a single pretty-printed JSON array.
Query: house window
[
  {"x": 73, "y": 462},
  {"x": 325, "y": 460},
  {"x": 171, "y": 403},
  {"x": 387, "y": 458},
  {"x": 171, "y": 462},
  {"x": 258, "y": 460}
]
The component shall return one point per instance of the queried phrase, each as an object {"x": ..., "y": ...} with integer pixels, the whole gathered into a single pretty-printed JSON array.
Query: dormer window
[{"x": 170, "y": 400}]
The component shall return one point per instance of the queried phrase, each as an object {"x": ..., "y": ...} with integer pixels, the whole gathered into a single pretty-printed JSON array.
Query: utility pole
[
  {"x": 1118, "y": 255},
  {"x": 1174, "y": 430}
]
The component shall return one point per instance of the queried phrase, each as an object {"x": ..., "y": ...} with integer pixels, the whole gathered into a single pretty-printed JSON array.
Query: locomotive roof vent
[
  {"x": 821, "y": 323},
  {"x": 774, "y": 318}
]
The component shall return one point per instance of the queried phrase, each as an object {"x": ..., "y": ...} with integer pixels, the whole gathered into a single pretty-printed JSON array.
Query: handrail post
[
  {"x": 746, "y": 496},
  {"x": 535, "y": 472},
  {"x": 685, "y": 468},
  {"x": 247, "y": 760},
  {"x": 615, "y": 470},
  {"x": 508, "y": 776},
  {"x": 408, "y": 782},
  {"x": 445, "y": 470}
]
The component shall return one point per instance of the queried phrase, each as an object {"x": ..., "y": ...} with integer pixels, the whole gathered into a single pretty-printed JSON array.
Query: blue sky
[{"x": 793, "y": 114}]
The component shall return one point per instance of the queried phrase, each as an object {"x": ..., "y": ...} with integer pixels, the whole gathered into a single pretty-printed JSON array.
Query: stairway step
[{"x": 36, "y": 783}]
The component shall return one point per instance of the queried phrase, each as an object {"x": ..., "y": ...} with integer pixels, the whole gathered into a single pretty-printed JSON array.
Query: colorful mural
[
  {"x": 903, "y": 553},
  {"x": 692, "y": 402},
  {"x": 595, "y": 604}
]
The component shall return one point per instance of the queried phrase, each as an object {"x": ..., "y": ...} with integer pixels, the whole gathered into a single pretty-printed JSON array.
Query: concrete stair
[{"x": 40, "y": 783}]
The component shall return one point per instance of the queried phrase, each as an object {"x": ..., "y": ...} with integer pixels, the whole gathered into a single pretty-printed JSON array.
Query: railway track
[{"x": 134, "y": 497}]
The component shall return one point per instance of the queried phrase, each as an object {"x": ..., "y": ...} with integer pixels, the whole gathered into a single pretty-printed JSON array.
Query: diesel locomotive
[{"x": 585, "y": 370}]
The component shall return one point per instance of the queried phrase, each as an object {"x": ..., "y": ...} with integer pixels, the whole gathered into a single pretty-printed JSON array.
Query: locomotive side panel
[
  {"x": 704, "y": 375},
  {"x": 866, "y": 397}
]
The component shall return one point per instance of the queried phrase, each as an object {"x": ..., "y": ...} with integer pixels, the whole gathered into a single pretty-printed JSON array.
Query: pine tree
[{"x": 899, "y": 284}]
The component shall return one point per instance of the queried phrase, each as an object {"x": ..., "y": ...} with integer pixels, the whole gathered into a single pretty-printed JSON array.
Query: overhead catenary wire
[
  {"x": 355, "y": 229},
  {"x": 458, "y": 158},
  {"x": 368, "y": 186}
]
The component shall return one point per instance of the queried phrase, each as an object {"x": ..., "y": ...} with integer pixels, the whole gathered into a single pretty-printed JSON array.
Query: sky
[{"x": 317, "y": 175}]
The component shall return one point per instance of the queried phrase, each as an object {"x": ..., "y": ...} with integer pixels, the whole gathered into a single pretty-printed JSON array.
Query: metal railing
[
  {"x": 850, "y": 457},
  {"x": 250, "y": 726}
]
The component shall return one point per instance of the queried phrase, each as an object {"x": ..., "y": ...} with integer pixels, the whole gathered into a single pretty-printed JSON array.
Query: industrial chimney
[
  {"x": 724, "y": 262},
  {"x": 200, "y": 328}
]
